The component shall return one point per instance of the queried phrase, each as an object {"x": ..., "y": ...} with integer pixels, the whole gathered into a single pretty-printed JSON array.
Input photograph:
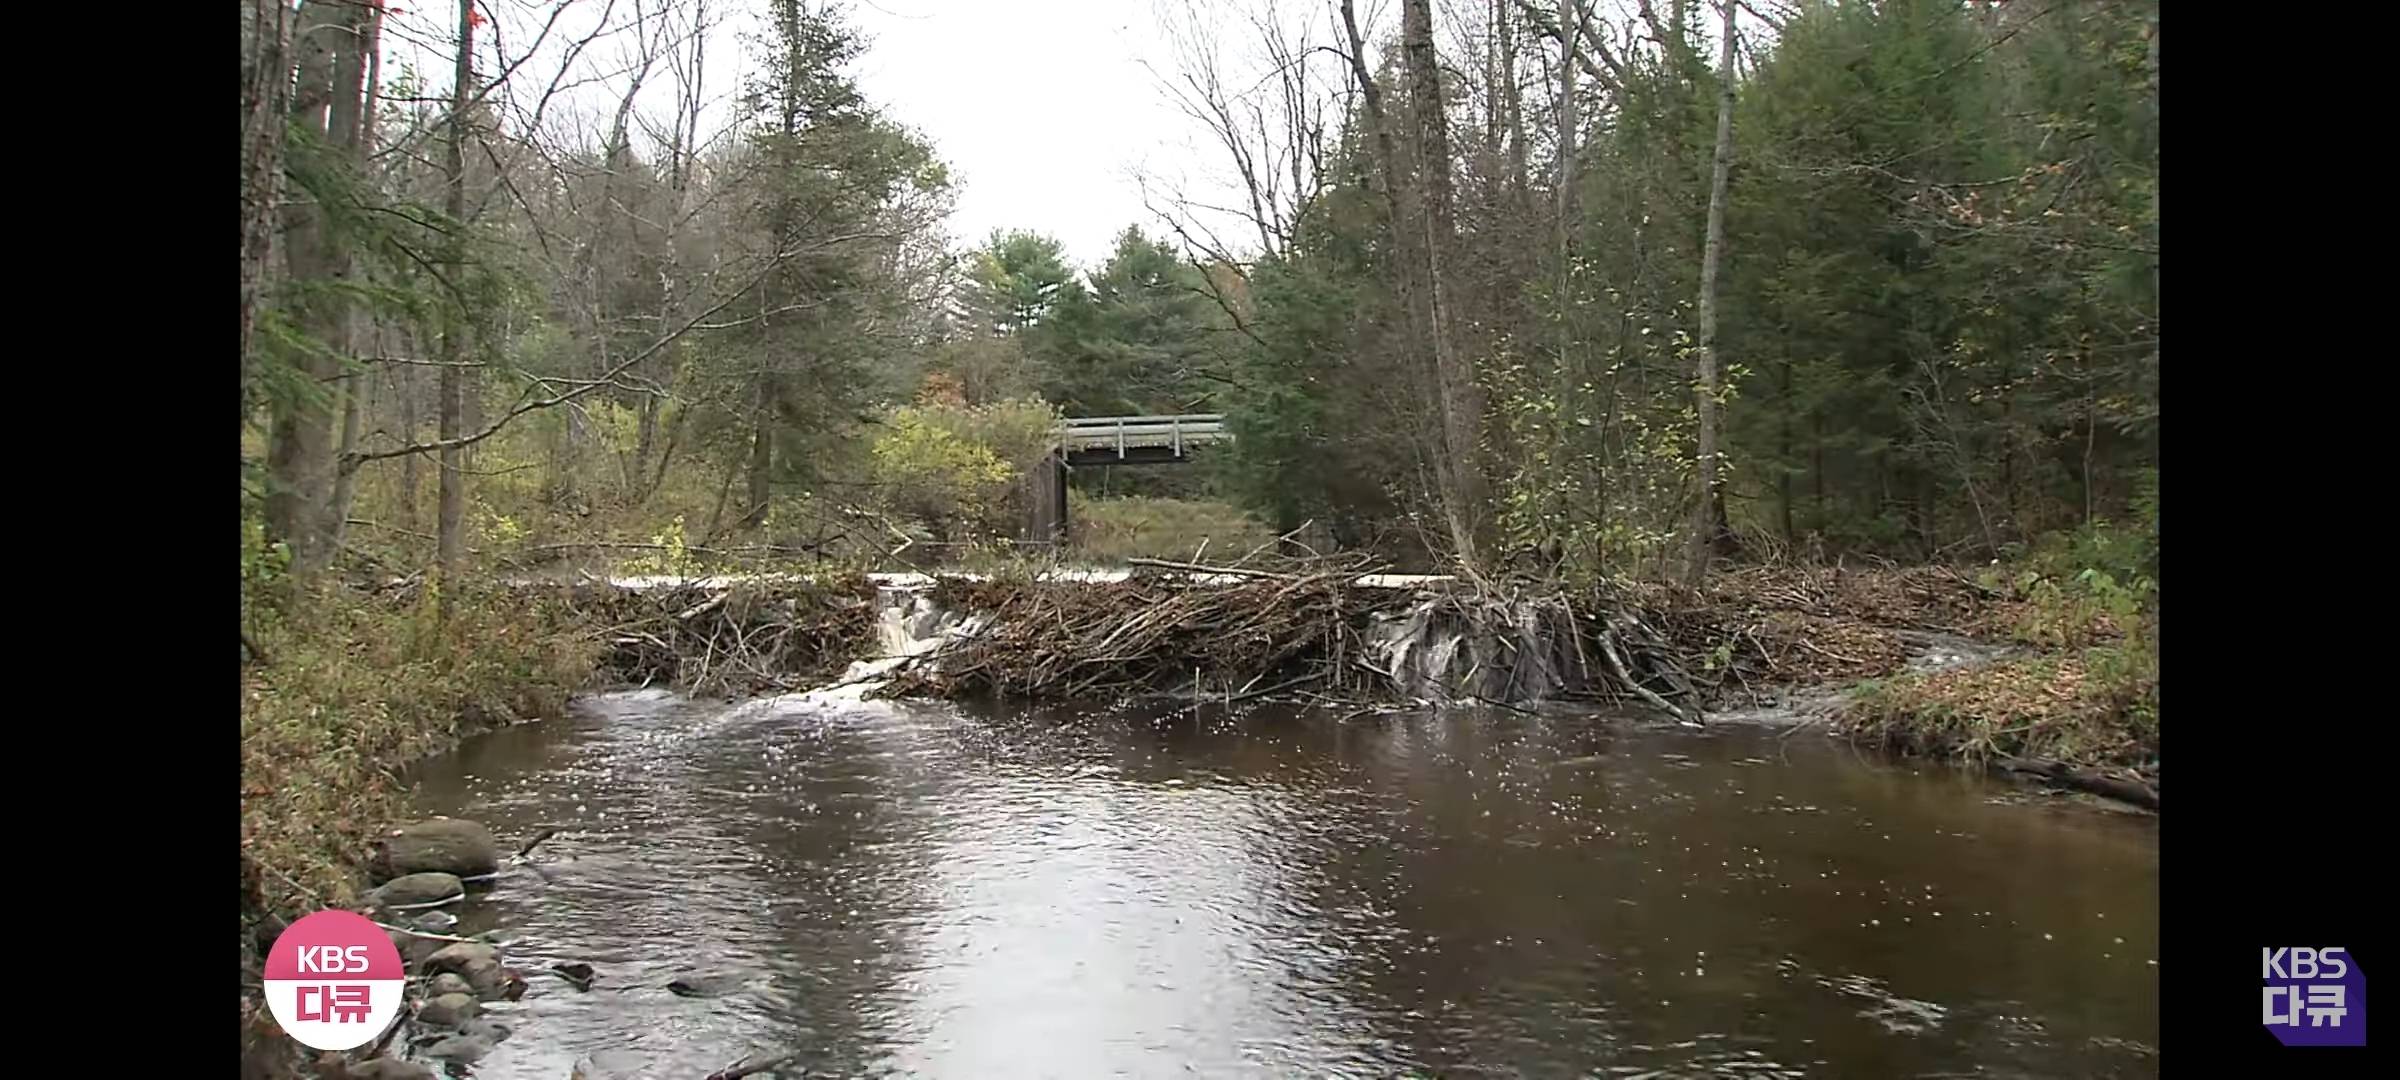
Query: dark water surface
[{"x": 905, "y": 890}]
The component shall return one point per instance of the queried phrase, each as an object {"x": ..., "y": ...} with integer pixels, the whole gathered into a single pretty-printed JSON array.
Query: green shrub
[{"x": 956, "y": 470}]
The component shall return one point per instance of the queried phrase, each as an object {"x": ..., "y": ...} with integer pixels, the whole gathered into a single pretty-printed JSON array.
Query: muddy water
[{"x": 903, "y": 890}]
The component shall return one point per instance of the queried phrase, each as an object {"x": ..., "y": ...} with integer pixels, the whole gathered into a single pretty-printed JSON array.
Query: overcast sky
[{"x": 1044, "y": 109}]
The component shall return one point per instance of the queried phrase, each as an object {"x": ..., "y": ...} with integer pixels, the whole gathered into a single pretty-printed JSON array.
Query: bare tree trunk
[
  {"x": 1495, "y": 105},
  {"x": 300, "y": 437},
  {"x": 645, "y": 441},
  {"x": 302, "y": 453},
  {"x": 1402, "y": 206},
  {"x": 345, "y": 482},
  {"x": 1707, "y": 515},
  {"x": 696, "y": 83},
  {"x": 666, "y": 457},
  {"x": 1371, "y": 96},
  {"x": 450, "y": 530},
  {"x": 762, "y": 455},
  {"x": 1783, "y": 451},
  {"x": 357, "y": 328},
  {"x": 2150, "y": 58},
  {"x": 1571, "y": 17},
  {"x": 1457, "y": 398},
  {"x": 691, "y": 79},
  {"x": 1513, "y": 100},
  {"x": 266, "y": 76},
  {"x": 411, "y": 477}
]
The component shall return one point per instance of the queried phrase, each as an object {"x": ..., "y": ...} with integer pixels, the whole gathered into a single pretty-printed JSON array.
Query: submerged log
[{"x": 2091, "y": 781}]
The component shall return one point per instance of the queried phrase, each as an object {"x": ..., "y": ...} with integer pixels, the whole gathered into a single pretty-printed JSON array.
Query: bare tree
[
  {"x": 1512, "y": 106},
  {"x": 1573, "y": 15},
  {"x": 1269, "y": 122},
  {"x": 1707, "y": 514},
  {"x": 329, "y": 103},
  {"x": 1458, "y": 399},
  {"x": 357, "y": 326},
  {"x": 451, "y": 504},
  {"x": 266, "y": 60}
]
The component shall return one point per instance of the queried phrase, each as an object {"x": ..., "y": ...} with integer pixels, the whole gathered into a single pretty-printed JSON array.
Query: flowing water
[{"x": 913, "y": 890}]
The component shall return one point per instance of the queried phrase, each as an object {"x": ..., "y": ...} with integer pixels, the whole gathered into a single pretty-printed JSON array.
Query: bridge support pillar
[
  {"x": 1049, "y": 524},
  {"x": 1058, "y": 498}
]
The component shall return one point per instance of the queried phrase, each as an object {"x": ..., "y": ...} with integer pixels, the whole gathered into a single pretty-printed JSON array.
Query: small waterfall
[
  {"x": 909, "y": 626},
  {"x": 1444, "y": 650}
]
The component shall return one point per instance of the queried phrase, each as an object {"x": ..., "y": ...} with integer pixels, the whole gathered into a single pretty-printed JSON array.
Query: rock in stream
[{"x": 437, "y": 845}]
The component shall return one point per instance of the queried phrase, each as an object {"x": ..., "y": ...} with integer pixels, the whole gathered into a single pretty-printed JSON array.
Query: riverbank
[
  {"x": 341, "y": 690},
  {"x": 346, "y": 689},
  {"x": 2084, "y": 717}
]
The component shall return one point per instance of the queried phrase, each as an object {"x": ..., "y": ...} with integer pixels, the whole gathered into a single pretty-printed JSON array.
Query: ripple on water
[{"x": 906, "y": 890}]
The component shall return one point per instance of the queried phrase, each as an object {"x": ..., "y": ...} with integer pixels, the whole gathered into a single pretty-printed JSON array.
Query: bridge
[
  {"x": 1116, "y": 440},
  {"x": 1137, "y": 440}
]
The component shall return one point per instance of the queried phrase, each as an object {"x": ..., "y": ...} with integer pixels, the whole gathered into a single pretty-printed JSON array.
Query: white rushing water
[{"x": 909, "y": 628}]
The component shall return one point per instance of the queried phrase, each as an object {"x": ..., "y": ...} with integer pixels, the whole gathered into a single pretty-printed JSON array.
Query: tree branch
[{"x": 355, "y": 459}]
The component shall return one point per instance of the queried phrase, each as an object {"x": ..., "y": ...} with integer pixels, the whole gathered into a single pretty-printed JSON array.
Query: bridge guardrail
[{"x": 1123, "y": 432}]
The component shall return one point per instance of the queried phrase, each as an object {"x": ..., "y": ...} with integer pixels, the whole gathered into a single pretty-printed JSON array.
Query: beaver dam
[
  {"x": 1331, "y": 633},
  {"x": 1326, "y": 632}
]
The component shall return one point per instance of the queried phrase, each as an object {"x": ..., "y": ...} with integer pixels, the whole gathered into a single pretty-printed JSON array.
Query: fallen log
[
  {"x": 1616, "y": 666},
  {"x": 2091, "y": 781}
]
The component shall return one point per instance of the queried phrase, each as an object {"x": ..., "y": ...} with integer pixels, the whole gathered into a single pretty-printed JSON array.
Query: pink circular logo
[{"x": 334, "y": 981}]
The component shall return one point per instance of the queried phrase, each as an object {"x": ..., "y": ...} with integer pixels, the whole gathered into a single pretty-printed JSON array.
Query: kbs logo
[
  {"x": 2315, "y": 997},
  {"x": 334, "y": 981}
]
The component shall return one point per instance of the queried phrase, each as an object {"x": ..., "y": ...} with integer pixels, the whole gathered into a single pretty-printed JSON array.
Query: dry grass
[
  {"x": 353, "y": 688},
  {"x": 1163, "y": 528},
  {"x": 2094, "y": 707},
  {"x": 1918, "y": 597}
]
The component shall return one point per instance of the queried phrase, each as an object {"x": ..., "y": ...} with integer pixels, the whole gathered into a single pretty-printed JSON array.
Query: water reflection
[{"x": 904, "y": 890}]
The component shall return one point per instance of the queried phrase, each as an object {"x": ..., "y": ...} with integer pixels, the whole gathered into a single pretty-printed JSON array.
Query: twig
[
  {"x": 545, "y": 834},
  {"x": 430, "y": 937},
  {"x": 1505, "y": 705},
  {"x": 1197, "y": 568},
  {"x": 743, "y": 1068},
  {"x": 1253, "y": 552},
  {"x": 1828, "y": 654},
  {"x": 1264, "y": 691}
]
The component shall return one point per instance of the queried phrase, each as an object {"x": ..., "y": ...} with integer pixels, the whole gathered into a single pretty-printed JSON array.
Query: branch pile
[
  {"x": 1064, "y": 639},
  {"x": 744, "y": 638},
  {"x": 1235, "y": 637},
  {"x": 1793, "y": 626}
]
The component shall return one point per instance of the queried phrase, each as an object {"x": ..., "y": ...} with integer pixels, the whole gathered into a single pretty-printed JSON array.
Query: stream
[{"x": 915, "y": 889}]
